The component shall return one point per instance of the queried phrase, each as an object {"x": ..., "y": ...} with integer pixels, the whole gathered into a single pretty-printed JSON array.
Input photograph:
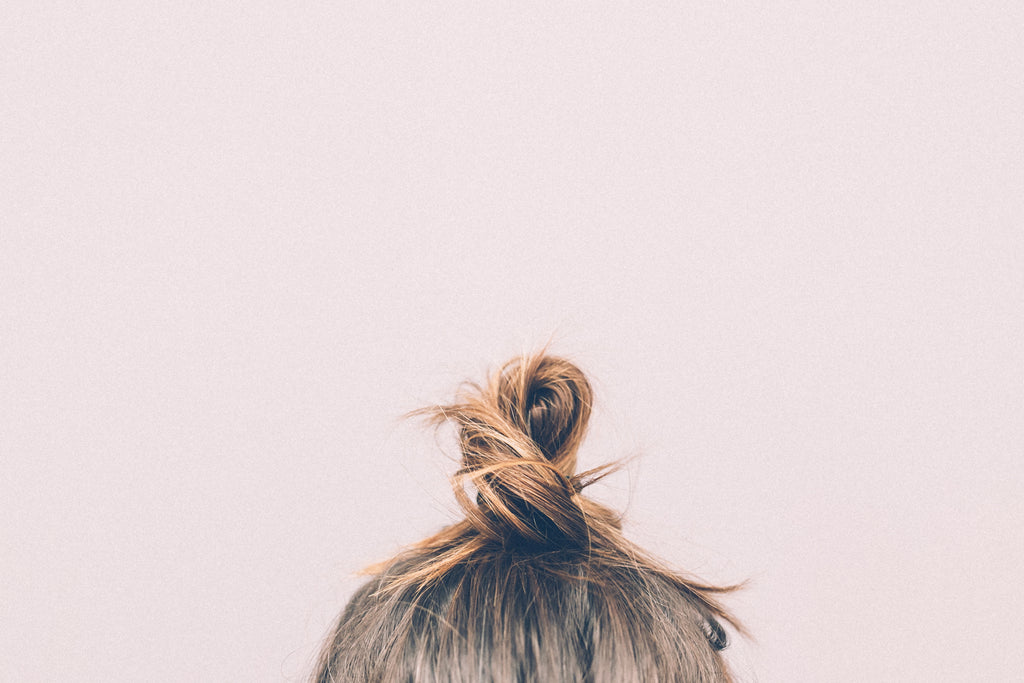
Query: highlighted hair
[{"x": 537, "y": 583}]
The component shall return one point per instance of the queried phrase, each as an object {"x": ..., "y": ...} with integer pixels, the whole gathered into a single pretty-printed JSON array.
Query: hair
[{"x": 537, "y": 582}]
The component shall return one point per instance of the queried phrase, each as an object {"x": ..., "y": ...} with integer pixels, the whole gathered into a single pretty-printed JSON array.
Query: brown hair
[{"x": 537, "y": 583}]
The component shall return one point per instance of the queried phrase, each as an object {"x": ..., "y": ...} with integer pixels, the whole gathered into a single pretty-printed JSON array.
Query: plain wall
[{"x": 239, "y": 240}]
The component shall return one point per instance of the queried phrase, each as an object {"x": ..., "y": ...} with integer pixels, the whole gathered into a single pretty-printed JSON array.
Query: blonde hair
[{"x": 537, "y": 582}]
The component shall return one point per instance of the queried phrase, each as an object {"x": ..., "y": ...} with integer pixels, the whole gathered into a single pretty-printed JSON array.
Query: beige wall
[{"x": 237, "y": 243}]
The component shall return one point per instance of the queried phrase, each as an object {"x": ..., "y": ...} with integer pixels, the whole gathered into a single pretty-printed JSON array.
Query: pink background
[{"x": 237, "y": 241}]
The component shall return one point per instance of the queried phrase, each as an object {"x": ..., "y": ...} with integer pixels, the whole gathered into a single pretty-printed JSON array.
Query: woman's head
[{"x": 537, "y": 583}]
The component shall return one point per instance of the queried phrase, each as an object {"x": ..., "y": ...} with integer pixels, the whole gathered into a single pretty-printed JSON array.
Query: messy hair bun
[
  {"x": 537, "y": 582},
  {"x": 519, "y": 436}
]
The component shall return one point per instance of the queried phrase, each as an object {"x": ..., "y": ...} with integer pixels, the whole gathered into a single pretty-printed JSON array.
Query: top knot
[
  {"x": 548, "y": 399},
  {"x": 519, "y": 436}
]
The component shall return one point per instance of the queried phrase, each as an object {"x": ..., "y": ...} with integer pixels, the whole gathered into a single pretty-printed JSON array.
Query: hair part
[{"x": 537, "y": 582}]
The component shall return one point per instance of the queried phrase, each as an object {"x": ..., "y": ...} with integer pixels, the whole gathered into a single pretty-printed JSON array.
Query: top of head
[
  {"x": 537, "y": 582},
  {"x": 519, "y": 436}
]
